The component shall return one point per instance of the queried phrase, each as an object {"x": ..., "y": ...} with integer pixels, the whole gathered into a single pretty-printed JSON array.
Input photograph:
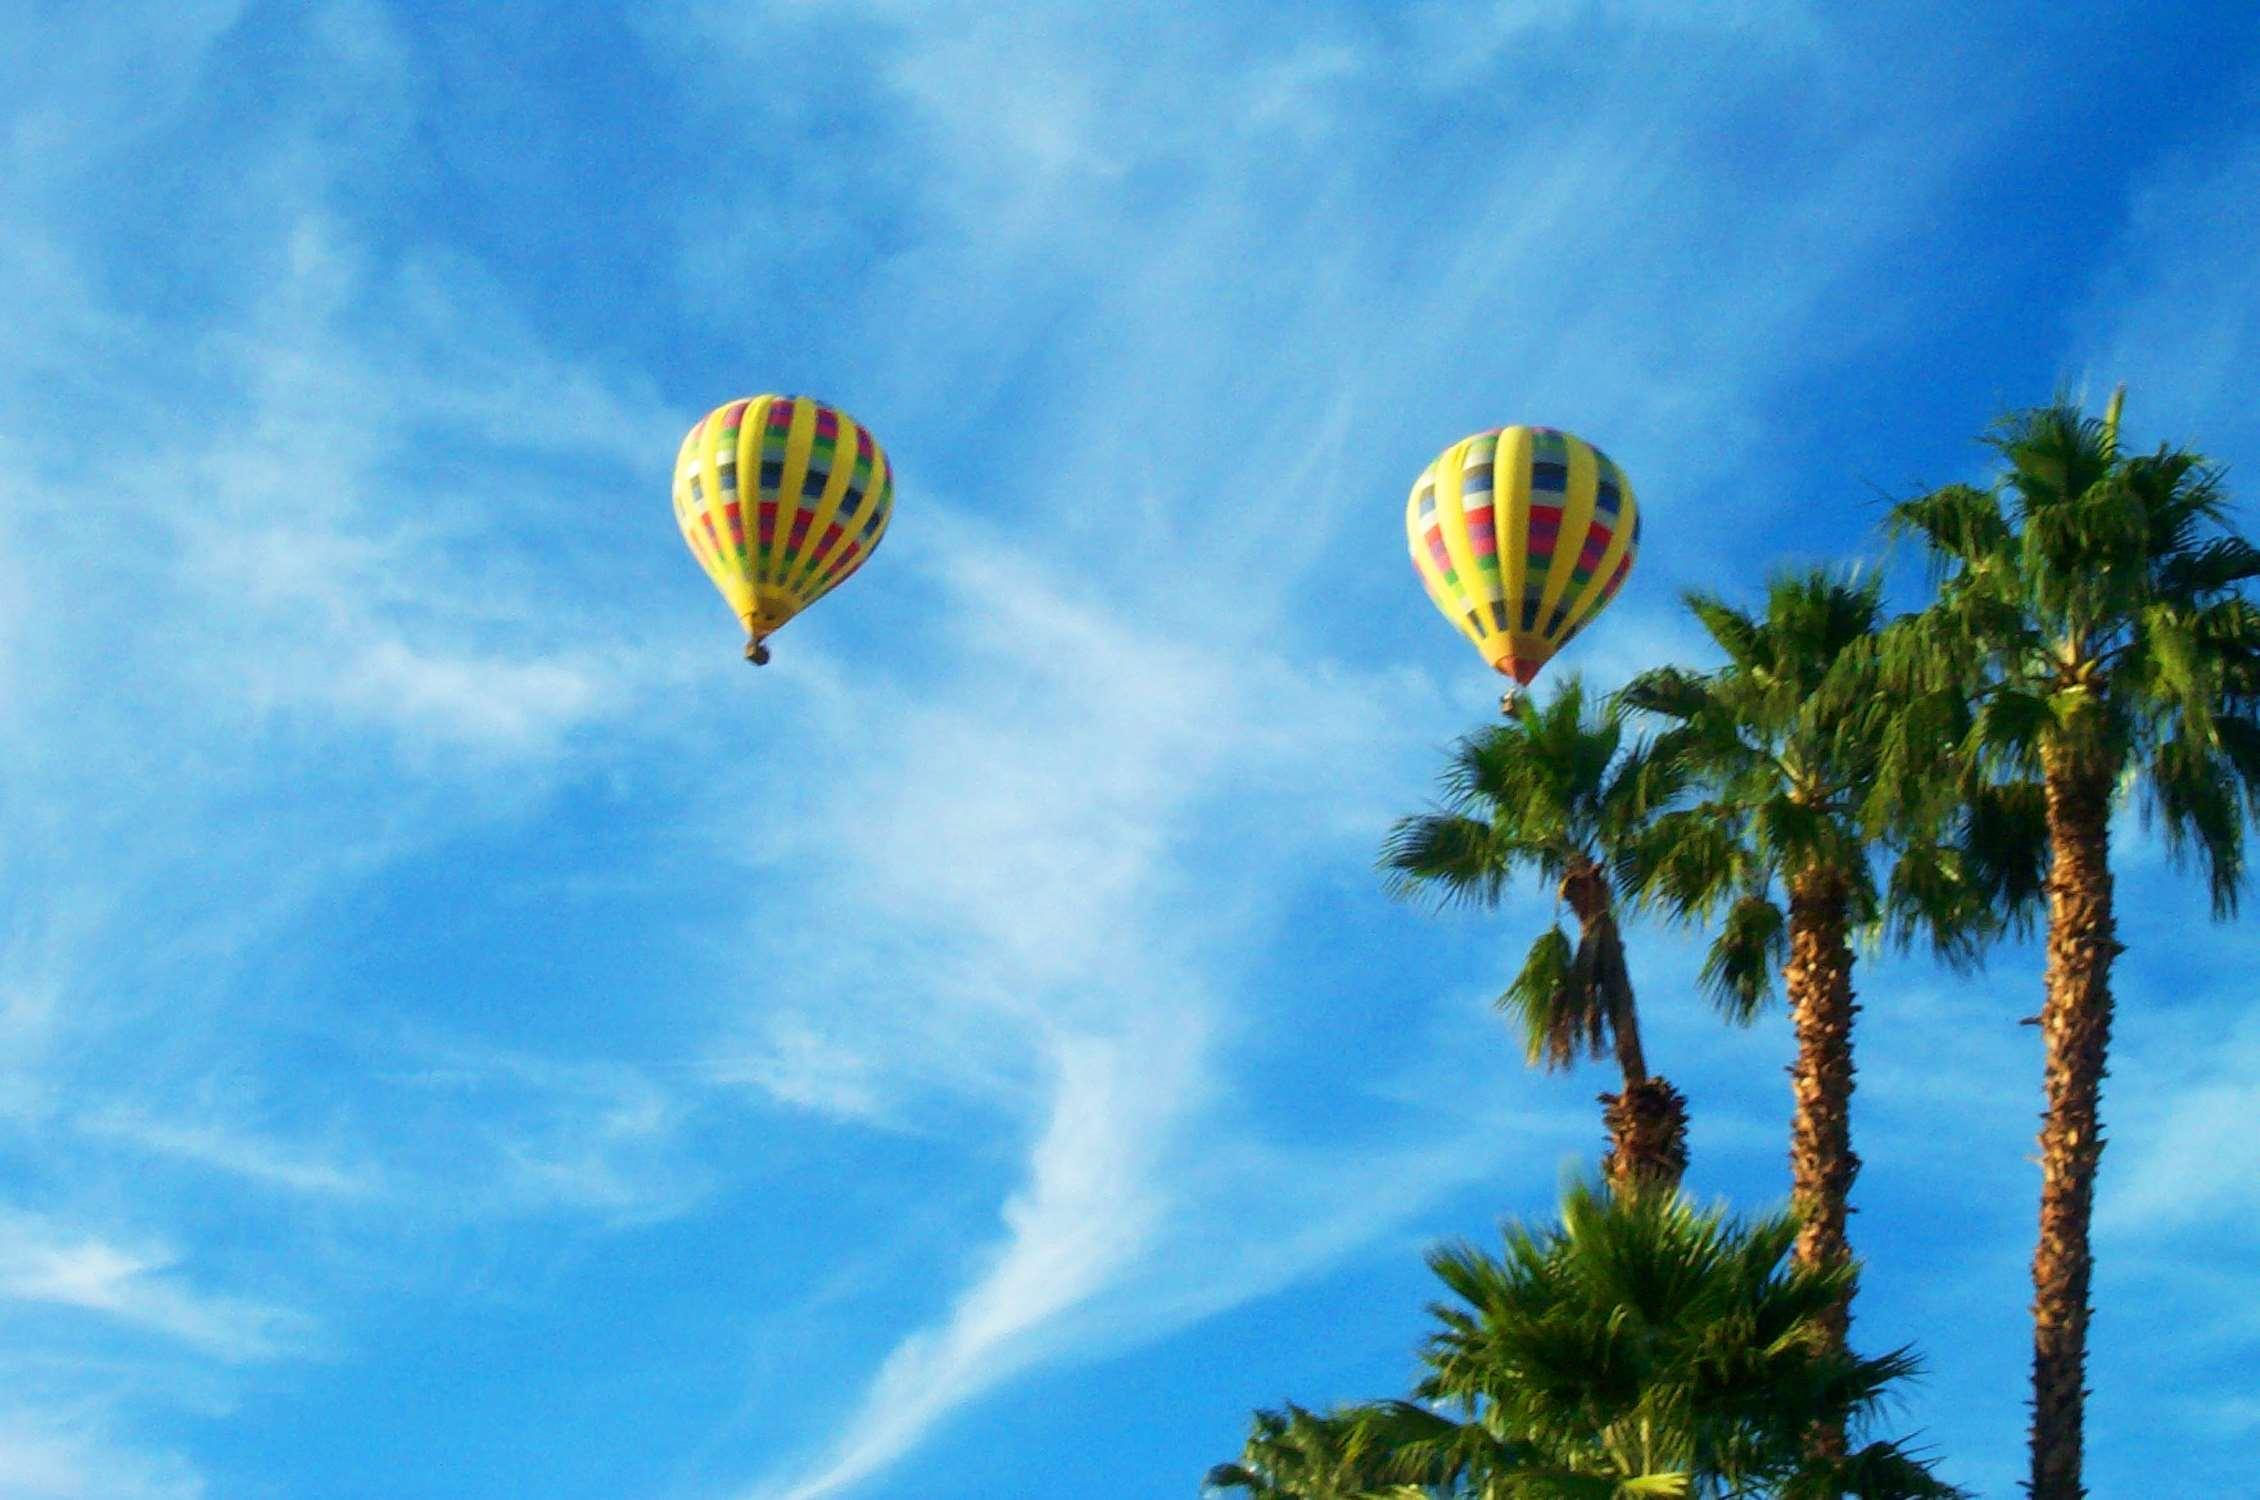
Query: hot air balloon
[
  {"x": 822, "y": 494},
  {"x": 1522, "y": 535}
]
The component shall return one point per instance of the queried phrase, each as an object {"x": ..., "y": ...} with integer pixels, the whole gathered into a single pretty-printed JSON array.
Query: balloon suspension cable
[{"x": 756, "y": 652}]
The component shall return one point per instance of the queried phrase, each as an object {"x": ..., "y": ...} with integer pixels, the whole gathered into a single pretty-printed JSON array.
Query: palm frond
[
  {"x": 1751, "y": 947},
  {"x": 2194, "y": 792},
  {"x": 1964, "y": 527},
  {"x": 2239, "y": 739},
  {"x": 1691, "y": 860},
  {"x": 2003, "y": 848},
  {"x": 1737, "y": 634},
  {"x": 1879, "y": 1471},
  {"x": 2008, "y": 731},
  {"x": 1560, "y": 1008},
  {"x": 1669, "y": 692},
  {"x": 1449, "y": 858},
  {"x": 1933, "y": 897},
  {"x": 2055, "y": 453},
  {"x": 2209, "y": 568}
]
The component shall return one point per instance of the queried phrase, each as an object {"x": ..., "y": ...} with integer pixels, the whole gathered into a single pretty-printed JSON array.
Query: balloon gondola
[
  {"x": 1521, "y": 535},
  {"x": 820, "y": 496}
]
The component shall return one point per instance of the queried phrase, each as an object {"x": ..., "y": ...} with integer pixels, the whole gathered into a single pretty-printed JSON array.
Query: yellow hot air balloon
[
  {"x": 820, "y": 501},
  {"x": 1522, "y": 535}
]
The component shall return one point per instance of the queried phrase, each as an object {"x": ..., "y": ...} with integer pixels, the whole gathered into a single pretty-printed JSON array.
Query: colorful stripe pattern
[
  {"x": 1521, "y": 536},
  {"x": 819, "y": 503}
]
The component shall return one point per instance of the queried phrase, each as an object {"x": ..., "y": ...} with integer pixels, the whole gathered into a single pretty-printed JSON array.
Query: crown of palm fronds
[
  {"x": 1553, "y": 785},
  {"x": 1807, "y": 765},
  {"x": 1641, "y": 1347},
  {"x": 1646, "y": 1340},
  {"x": 1552, "y": 791},
  {"x": 1298, "y": 1454},
  {"x": 2091, "y": 609}
]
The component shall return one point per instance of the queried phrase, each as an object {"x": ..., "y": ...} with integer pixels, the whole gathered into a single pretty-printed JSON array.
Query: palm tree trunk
[
  {"x": 1821, "y": 1161},
  {"x": 2075, "y": 1029},
  {"x": 1647, "y": 1122},
  {"x": 1647, "y": 1126},
  {"x": 1613, "y": 981}
]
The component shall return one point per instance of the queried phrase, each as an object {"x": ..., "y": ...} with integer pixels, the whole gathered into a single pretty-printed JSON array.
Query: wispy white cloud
[
  {"x": 799, "y": 1060},
  {"x": 518, "y": 1134},
  {"x": 43, "y": 1262},
  {"x": 447, "y": 1136},
  {"x": 392, "y": 606},
  {"x": 2184, "y": 1065},
  {"x": 222, "y": 1147},
  {"x": 2228, "y": 1419},
  {"x": 65, "y": 1453},
  {"x": 1087, "y": 1210}
]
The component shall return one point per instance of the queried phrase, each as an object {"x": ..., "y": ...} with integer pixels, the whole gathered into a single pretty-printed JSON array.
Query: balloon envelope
[
  {"x": 821, "y": 495},
  {"x": 1521, "y": 535}
]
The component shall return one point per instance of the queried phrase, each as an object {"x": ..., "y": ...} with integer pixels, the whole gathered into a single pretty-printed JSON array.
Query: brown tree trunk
[
  {"x": 1647, "y": 1122},
  {"x": 2075, "y": 1029},
  {"x": 1821, "y": 1161},
  {"x": 1647, "y": 1126},
  {"x": 1614, "y": 983},
  {"x": 1586, "y": 890}
]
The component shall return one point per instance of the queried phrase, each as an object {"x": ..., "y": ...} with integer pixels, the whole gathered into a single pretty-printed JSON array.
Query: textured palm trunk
[
  {"x": 2075, "y": 1029},
  {"x": 1647, "y": 1121},
  {"x": 1647, "y": 1126},
  {"x": 1821, "y": 1161}
]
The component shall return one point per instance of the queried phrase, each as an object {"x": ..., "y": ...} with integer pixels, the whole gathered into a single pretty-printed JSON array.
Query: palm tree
[
  {"x": 2090, "y": 608},
  {"x": 1550, "y": 792},
  {"x": 1645, "y": 1339},
  {"x": 1298, "y": 1454},
  {"x": 1783, "y": 745},
  {"x": 1642, "y": 1347}
]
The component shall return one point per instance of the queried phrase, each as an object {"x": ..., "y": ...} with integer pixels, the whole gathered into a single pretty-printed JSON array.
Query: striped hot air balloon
[
  {"x": 818, "y": 506},
  {"x": 1522, "y": 535}
]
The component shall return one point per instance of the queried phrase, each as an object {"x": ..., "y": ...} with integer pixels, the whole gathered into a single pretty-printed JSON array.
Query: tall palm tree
[
  {"x": 1554, "y": 791},
  {"x": 1783, "y": 745},
  {"x": 1642, "y": 1347},
  {"x": 2091, "y": 608}
]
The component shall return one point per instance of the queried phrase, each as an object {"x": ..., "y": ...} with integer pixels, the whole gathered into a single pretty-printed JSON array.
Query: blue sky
[{"x": 463, "y": 1033}]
